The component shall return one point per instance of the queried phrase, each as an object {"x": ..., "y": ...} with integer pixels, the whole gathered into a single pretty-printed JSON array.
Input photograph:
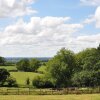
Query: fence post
[
  {"x": 18, "y": 91},
  {"x": 29, "y": 90}
]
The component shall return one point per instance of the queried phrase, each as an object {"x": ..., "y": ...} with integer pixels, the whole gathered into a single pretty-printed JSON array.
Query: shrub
[
  {"x": 28, "y": 81},
  {"x": 11, "y": 82},
  {"x": 41, "y": 82}
]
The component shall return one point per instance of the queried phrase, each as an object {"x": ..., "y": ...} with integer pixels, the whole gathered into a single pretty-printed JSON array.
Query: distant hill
[{"x": 16, "y": 59}]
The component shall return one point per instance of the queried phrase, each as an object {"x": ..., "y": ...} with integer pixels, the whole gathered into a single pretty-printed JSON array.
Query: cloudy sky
[{"x": 39, "y": 28}]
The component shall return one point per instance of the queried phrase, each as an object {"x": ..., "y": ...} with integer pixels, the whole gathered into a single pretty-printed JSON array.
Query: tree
[
  {"x": 28, "y": 81},
  {"x": 88, "y": 58},
  {"x": 61, "y": 67},
  {"x": 23, "y": 65},
  {"x": 42, "y": 82},
  {"x": 4, "y": 74},
  {"x": 34, "y": 64},
  {"x": 2, "y": 61},
  {"x": 98, "y": 47},
  {"x": 11, "y": 82},
  {"x": 86, "y": 78}
]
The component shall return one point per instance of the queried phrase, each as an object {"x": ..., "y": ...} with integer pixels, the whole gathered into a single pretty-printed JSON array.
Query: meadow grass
[
  {"x": 9, "y": 68},
  {"x": 22, "y": 76},
  {"x": 51, "y": 97}
]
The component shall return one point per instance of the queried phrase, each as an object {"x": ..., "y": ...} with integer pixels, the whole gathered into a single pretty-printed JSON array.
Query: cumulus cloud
[
  {"x": 94, "y": 18},
  {"x": 13, "y": 8},
  {"x": 90, "y": 2},
  {"x": 39, "y": 31},
  {"x": 97, "y": 17}
]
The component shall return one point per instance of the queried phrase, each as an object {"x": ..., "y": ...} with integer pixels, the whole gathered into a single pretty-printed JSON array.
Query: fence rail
[{"x": 31, "y": 91}]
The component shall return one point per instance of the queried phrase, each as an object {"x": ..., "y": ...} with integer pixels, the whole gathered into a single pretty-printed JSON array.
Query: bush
[
  {"x": 41, "y": 82},
  {"x": 11, "y": 82},
  {"x": 28, "y": 81}
]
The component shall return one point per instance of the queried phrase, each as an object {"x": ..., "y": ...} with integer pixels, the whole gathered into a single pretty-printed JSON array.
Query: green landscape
[{"x": 67, "y": 75}]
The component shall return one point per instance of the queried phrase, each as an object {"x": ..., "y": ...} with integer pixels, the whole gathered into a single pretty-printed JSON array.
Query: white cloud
[
  {"x": 13, "y": 8},
  {"x": 90, "y": 2},
  {"x": 90, "y": 38},
  {"x": 39, "y": 31},
  {"x": 42, "y": 35},
  {"x": 97, "y": 17}
]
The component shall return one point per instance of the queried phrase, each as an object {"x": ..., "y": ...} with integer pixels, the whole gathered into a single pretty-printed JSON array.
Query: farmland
[
  {"x": 9, "y": 68},
  {"x": 51, "y": 97},
  {"x": 22, "y": 76}
]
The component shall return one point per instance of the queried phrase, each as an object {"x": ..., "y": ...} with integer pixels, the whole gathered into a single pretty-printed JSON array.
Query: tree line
[{"x": 66, "y": 69}]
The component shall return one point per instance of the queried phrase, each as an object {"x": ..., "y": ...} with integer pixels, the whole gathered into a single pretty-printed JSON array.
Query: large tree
[{"x": 61, "y": 67}]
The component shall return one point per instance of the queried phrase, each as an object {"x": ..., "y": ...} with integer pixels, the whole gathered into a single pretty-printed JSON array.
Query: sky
[{"x": 39, "y": 28}]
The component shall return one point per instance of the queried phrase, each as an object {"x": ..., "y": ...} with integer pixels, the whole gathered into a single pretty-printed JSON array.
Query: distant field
[
  {"x": 9, "y": 68},
  {"x": 22, "y": 76},
  {"x": 51, "y": 97}
]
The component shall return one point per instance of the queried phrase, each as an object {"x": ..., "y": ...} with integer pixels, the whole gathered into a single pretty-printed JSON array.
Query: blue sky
[{"x": 39, "y": 28}]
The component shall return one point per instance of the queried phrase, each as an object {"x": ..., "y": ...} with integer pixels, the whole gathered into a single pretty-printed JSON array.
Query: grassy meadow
[
  {"x": 22, "y": 76},
  {"x": 51, "y": 97},
  {"x": 9, "y": 68}
]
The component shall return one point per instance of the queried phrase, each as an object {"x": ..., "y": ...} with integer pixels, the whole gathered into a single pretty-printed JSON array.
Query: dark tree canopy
[
  {"x": 2, "y": 61},
  {"x": 4, "y": 74},
  {"x": 28, "y": 65},
  {"x": 34, "y": 64},
  {"x": 23, "y": 65}
]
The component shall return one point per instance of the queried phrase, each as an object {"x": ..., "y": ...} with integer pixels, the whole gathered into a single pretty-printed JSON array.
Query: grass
[
  {"x": 9, "y": 68},
  {"x": 22, "y": 76},
  {"x": 42, "y": 69},
  {"x": 51, "y": 97}
]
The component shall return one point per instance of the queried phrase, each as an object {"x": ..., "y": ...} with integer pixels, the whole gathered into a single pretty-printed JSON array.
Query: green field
[
  {"x": 9, "y": 68},
  {"x": 22, "y": 76},
  {"x": 51, "y": 97}
]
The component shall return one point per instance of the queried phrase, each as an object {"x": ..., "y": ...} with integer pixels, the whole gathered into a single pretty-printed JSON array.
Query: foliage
[
  {"x": 34, "y": 64},
  {"x": 23, "y": 65},
  {"x": 11, "y": 82},
  {"x": 42, "y": 69},
  {"x": 61, "y": 67},
  {"x": 2, "y": 61},
  {"x": 28, "y": 66},
  {"x": 28, "y": 81},
  {"x": 41, "y": 82},
  {"x": 4, "y": 74}
]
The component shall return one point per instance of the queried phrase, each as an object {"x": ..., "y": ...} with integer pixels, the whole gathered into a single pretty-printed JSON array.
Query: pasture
[
  {"x": 51, "y": 97},
  {"x": 22, "y": 76},
  {"x": 9, "y": 68}
]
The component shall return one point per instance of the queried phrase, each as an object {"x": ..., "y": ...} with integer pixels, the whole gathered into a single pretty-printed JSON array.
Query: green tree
[
  {"x": 23, "y": 65},
  {"x": 88, "y": 58},
  {"x": 11, "y": 82},
  {"x": 28, "y": 81},
  {"x": 4, "y": 74},
  {"x": 2, "y": 61},
  {"x": 61, "y": 67},
  {"x": 86, "y": 78},
  {"x": 34, "y": 64}
]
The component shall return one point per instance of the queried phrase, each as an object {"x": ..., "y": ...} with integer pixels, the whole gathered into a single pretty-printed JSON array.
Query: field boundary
[{"x": 54, "y": 91}]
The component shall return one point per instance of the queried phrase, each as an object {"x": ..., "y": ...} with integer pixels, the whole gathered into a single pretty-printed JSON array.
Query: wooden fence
[{"x": 31, "y": 91}]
